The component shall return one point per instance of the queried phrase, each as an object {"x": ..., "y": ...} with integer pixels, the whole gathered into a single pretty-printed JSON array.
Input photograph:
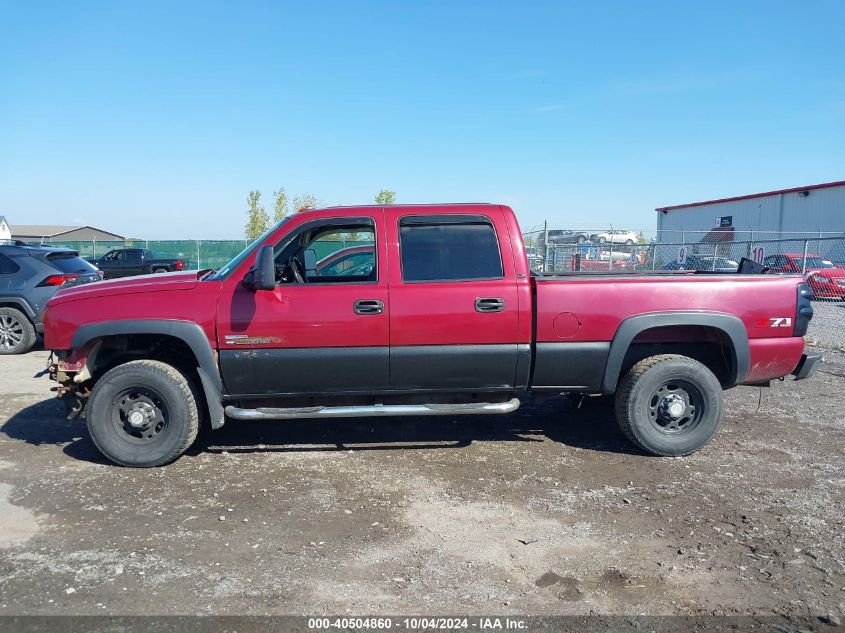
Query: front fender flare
[
  {"x": 188, "y": 332},
  {"x": 730, "y": 325}
]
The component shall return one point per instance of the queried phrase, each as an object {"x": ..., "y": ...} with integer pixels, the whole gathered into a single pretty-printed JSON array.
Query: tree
[
  {"x": 257, "y": 219},
  {"x": 280, "y": 204},
  {"x": 305, "y": 201},
  {"x": 385, "y": 197},
  {"x": 641, "y": 239}
]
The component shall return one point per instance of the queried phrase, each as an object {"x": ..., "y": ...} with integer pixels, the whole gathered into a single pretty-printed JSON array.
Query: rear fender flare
[
  {"x": 20, "y": 304},
  {"x": 190, "y": 333},
  {"x": 730, "y": 325}
]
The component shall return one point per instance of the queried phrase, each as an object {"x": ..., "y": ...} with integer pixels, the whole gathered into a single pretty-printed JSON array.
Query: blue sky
[{"x": 156, "y": 119}]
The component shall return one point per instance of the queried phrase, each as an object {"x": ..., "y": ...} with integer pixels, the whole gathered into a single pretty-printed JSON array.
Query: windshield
[
  {"x": 818, "y": 262},
  {"x": 226, "y": 270}
]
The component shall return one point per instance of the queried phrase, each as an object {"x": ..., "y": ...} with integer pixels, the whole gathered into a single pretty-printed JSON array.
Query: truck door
[
  {"x": 109, "y": 265},
  {"x": 132, "y": 262},
  {"x": 323, "y": 330},
  {"x": 453, "y": 301}
]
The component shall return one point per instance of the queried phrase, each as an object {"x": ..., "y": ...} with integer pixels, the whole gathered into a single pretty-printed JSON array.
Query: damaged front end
[{"x": 71, "y": 370}]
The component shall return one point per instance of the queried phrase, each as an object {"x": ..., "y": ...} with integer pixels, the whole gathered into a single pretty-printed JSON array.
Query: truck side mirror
[
  {"x": 310, "y": 257},
  {"x": 262, "y": 275}
]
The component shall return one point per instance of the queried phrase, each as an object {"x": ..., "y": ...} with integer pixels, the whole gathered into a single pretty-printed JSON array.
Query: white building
[{"x": 814, "y": 210}]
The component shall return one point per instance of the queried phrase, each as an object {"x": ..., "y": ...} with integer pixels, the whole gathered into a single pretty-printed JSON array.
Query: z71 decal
[{"x": 775, "y": 322}]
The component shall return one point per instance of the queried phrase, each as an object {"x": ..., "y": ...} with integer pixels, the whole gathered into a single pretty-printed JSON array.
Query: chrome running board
[{"x": 377, "y": 410}]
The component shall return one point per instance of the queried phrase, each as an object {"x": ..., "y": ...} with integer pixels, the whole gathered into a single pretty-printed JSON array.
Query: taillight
[
  {"x": 58, "y": 280},
  {"x": 178, "y": 264},
  {"x": 803, "y": 309}
]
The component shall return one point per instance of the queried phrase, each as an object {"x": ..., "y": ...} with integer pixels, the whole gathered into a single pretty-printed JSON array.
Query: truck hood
[{"x": 128, "y": 285}]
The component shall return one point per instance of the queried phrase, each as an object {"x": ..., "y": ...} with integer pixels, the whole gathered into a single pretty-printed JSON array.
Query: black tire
[
  {"x": 648, "y": 405},
  {"x": 581, "y": 239},
  {"x": 158, "y": 271},
  {"x": 17, "y": 333},
  {"x": 629, "y": 242},
  {"x": 166, "y": 402},
  {"x": 602, "y": 240}
]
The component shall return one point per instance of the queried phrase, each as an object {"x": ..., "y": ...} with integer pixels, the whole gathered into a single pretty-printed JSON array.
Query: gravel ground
[
  {"x": 828, "y": 325},
  {"x": 545, "y": 511}
]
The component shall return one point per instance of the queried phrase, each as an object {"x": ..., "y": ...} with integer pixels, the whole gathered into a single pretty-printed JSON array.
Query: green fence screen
[{"x": 198, "y": 254}]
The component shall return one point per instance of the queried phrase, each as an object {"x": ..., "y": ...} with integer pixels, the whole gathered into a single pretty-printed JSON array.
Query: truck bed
[{"x": 579, "y": 314}]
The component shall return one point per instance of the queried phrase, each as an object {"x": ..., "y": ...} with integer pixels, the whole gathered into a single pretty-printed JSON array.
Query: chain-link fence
[
  {"x": 737, "y": 235},
  {"x": 197, "y": 254}
]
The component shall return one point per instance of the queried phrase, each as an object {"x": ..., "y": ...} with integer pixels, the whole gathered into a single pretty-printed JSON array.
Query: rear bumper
[{"x": 807, "y": 366}]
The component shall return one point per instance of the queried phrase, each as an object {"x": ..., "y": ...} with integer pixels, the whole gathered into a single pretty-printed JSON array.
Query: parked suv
[
  {"x": 614, "y": 237},
  {"x": 29, "y": 276}
]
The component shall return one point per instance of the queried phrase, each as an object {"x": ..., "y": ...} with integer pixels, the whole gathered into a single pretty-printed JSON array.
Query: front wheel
[
  {"x": 669, "y": 405},
  {"x": 143, "y": 413}
]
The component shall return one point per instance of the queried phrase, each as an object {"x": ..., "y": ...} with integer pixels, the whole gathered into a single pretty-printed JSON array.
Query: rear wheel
[
  {"x": 143, "y": 413},
  {"x": 158, "y": 271},
  {"x": 669, "y": 405},
  {"x": 17, "y": 334}
]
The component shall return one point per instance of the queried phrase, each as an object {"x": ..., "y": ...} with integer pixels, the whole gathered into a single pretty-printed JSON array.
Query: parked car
[
  {"x": 563, "y": 236},
  {"x": 826, "y": 279},
  {"x": 29, "y": 276},
  {"x": 127, "y": 262},
  {"x": 602, "y": 264},
  {"x": 347, "y": 262},
  {"x": 614, "y": 237},
  {"x": 705, "y": 263},
  {"x": 451, "y": 322}
]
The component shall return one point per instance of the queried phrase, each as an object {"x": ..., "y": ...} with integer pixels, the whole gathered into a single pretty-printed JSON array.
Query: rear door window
[{"x": 449, "y": 248}]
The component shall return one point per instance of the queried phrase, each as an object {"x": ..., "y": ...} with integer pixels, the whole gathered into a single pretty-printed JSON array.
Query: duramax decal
[{"x": 243, "y": 339}]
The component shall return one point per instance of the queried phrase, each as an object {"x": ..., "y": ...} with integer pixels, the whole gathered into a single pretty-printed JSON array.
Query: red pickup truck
[{"x": 438, "y": 315}]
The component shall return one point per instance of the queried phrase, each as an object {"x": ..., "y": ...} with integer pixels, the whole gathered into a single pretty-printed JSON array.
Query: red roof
[{"x": 824, "y": 185}]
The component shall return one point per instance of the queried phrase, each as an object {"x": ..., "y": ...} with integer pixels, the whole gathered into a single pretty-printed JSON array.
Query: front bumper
[{"x": 807, "y": 366}]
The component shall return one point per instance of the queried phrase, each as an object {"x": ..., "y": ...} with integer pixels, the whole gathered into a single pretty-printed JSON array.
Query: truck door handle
[
  {"x": 369, "y": 306},
  {"x": 489, "y": 304}
]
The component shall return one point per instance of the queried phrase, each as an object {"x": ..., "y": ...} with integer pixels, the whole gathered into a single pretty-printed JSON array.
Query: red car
[
  {"x": 350, "y": 260},
  {"x": 826, "y": 279},
  {"x": 445, "y": 318}
]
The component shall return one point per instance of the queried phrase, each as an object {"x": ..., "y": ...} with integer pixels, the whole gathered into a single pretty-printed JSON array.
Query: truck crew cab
[{"x": 439, "y": 315}]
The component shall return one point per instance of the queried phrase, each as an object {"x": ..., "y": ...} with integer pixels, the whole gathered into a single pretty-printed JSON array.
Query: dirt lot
[{"x": 545, "y": 511}]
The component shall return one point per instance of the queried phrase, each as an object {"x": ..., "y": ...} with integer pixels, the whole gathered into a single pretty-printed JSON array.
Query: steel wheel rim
[
  {"x": 139, "y": 416},
  {"x": 676, "y": 407},
  {"x": 11, "y": 332}
]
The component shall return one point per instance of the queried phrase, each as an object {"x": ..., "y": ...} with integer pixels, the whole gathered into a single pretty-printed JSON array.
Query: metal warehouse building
[{"x": 814, "y": 210}]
